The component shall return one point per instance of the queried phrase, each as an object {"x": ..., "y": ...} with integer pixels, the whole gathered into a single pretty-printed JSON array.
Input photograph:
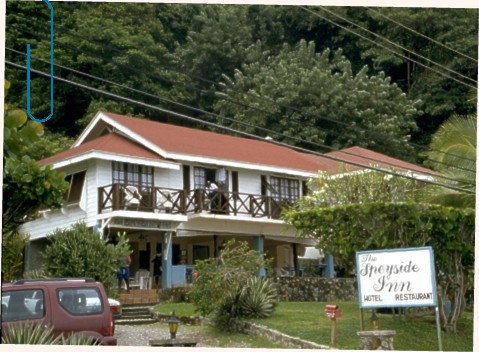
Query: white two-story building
[{"x": 149, "y": 179}]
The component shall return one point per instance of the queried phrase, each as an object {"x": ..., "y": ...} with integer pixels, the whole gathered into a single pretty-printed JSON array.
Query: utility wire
[
  {"x": 357, "y": 128},
  {"x": 237, "y": 132},
  {"x": 397, "y": 45},
  {"x": 421, "y": 34},
  {"x": 227, "y": 97},
  {"x": 268, "y": 131},
  {"x": 386, "y": 48},
  {"x": 332, "y": 131},
  {"x": 203, "y": 111}
]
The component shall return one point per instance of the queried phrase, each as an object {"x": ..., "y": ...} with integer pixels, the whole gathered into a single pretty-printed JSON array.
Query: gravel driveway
[{"x": 140, "y": 335}]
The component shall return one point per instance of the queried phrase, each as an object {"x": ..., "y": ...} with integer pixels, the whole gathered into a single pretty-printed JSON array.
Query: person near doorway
[
  {"x": 212, "y": 190},
  {"x": 124, "y": 273},
  {"x": 157, "y": 270}
]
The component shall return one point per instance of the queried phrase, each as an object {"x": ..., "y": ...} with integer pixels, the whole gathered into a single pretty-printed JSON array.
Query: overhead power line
[
  {"x": 237, "y": 132},
  {"x": 386, "y": 137},
  {"x": 397, "y": 45},
  {"x": 228, "y": 98},
  {"x": 267, "y": 131},
  {"x": 270, "y": 101},
  {"x": 422, "y": 35},
  {"x": 388, "y": 49}
]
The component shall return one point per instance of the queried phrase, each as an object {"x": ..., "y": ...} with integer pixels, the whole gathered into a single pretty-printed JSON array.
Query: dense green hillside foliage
[{"x": 389, "y": 76}]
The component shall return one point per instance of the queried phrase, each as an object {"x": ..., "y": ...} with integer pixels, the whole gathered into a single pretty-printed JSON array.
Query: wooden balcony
[{"x": 174, "y": 201}]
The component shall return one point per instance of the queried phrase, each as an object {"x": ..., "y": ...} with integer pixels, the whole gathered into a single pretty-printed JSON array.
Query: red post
[{"x": 333, "y": 312}]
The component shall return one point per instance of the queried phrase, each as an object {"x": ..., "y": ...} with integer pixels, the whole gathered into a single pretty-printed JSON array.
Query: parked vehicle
[
  {"x": 115, "y": 308},
  {"x": 70, "y": 305}
]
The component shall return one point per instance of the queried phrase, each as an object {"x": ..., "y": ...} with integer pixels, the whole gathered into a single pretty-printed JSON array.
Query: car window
[
  {"x": 22, "y": 305},
  {"x": 80, "y": 301}
]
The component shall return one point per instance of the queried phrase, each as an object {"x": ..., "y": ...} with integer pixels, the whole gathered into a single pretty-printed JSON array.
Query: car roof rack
[{"x": 66, "y": 279}]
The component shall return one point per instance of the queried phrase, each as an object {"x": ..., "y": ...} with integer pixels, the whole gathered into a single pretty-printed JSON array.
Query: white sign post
[{"x": 402, "y": 277}]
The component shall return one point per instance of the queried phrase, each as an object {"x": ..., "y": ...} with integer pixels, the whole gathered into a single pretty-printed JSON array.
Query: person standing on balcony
[
  {"x": 124, "y": 273},
  {"x": 212, "y": 190}
]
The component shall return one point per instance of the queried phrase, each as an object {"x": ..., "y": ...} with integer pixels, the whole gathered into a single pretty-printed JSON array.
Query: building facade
[{"x": 153, "y": 181}]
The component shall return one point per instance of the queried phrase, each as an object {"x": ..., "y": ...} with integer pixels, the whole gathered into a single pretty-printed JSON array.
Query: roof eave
[
  {"x": 90, "y": 155},
  {"x": 240, "y": 165}
]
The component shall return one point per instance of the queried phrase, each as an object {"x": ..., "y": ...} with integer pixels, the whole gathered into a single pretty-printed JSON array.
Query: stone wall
[
  {"x": 302, "y": 289},
  {"x": 274, "y": 335},
  {"x": 316, "y": 289},
  {"x": 173, "y": 295}
]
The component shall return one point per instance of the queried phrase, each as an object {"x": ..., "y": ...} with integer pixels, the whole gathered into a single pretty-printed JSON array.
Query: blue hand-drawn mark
[{"x": 51, "y": 71}]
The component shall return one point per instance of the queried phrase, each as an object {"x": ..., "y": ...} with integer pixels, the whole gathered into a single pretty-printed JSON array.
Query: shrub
[
  {"x": 12, "y": 249},
  {"x": 222, "y": 283},
  {"x": 80, "y": 252},
  {"x": 258, "y": 298},
  {"x": 29, "y": 334},
  {"x": 38, "y": 334},
  {"x": 78, "y": 339}
]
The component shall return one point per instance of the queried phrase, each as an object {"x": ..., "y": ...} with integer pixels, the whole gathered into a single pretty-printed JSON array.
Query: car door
[{"x": 80, "y": 309}]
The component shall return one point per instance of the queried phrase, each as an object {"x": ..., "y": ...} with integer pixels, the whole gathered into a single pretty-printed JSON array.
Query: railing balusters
[{"x": 175, "y": 201}]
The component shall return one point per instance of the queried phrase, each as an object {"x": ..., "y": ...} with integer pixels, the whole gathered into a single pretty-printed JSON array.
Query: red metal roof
[
  {"x": 368, "y": 157},
  {"x": 194, "y": 142},
  {"x": 110, "y": 143},
  {"x": 197, "y": 143}
]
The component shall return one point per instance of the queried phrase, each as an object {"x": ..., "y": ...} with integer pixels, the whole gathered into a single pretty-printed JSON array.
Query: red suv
[{"x": 69, "y": 305}]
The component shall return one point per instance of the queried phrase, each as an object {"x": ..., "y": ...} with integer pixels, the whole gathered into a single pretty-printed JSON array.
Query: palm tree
[{"x": 453, "y": 155}]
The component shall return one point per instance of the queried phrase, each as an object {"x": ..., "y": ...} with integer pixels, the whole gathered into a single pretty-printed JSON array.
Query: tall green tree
[
  {"x": 27, "y": 187},
  {"x": 298, "y": 92},
  {"x": 125, "y": 43},
  {"x": 452, "y": 153},
  {"x": 445, "y": 36},
  {"x": 216, "y": 44}
]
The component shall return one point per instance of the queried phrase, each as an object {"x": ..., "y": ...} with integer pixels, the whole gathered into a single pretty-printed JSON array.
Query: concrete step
[
  {"x": 142, "y": 316},
  {"x": 136, "y": 309},
  {"x": 136, "y": 314},
  {"x": 135, "y": 321}
]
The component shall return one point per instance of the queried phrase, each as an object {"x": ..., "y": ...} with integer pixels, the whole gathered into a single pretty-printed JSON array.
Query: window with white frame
[
  {"x": 140, "y": 176},
  {"x": 199, "y": 174},
  {"x": 284, "y": 189}
]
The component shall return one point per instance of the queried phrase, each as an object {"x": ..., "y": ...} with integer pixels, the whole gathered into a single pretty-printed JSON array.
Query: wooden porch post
[{"x": 116, "y": 196}]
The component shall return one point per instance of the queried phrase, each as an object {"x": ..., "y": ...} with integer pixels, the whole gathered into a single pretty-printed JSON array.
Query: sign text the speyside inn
[{"x": 396, "y": 278}]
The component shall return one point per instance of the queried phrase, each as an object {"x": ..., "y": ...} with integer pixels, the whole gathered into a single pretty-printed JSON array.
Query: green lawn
[{"x": 307, "y": 321}]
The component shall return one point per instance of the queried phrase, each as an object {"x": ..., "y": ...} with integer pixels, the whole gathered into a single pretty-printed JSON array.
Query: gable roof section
[
  {"x": 112, "y": 144},
  {"x": 183, "y": 143},
  {"x": 161, "y": 141}
]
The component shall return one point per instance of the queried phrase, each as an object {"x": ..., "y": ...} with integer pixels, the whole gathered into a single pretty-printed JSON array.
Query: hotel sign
[
  {"x": 144, "y": 224},
  {"x": 396, "y": 278}
]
